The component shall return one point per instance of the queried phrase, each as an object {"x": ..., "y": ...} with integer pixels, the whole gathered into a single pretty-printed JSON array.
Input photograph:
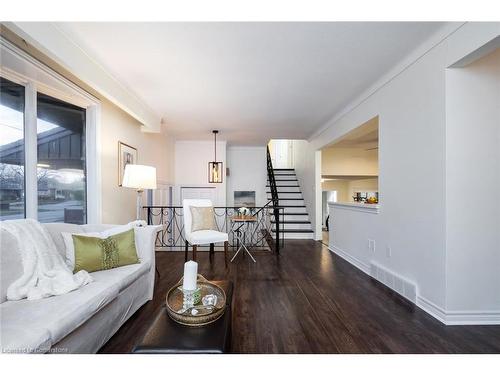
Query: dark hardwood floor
[{"x": 309, "y": 300}]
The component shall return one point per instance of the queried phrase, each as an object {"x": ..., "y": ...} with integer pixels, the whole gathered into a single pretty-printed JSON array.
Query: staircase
[{"x": 295, "y": 220}]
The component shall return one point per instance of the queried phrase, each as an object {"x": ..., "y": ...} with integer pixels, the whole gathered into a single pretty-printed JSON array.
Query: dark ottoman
[{"x": 165, "y": 336}]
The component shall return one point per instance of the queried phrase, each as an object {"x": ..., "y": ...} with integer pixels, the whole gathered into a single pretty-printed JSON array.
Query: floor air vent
[{"x": 397, "y": 283}]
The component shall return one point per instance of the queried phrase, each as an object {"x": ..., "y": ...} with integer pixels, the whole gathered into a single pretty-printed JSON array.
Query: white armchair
[{"x": 201, "y": 237}]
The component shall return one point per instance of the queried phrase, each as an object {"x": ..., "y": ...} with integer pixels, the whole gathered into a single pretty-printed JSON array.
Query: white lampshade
[{"x": 139, "y": 177}]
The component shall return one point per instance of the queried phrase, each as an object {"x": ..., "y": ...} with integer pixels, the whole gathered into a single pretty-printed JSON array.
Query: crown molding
[{"x": 56, "y": 45}]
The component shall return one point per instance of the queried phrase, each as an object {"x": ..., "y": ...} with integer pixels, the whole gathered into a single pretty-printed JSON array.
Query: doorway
[
  {"x": 326, "y": 220},
  {"x": 281, "y": 151}
]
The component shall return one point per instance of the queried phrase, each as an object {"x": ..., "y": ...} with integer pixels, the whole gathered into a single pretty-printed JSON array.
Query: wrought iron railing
[
  {"x": 274, "y": 200},
  {"x": 172, "y": 235},
  {"x": 272, "y": 180}
]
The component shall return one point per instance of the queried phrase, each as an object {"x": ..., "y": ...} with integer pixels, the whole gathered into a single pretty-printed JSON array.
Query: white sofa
[{"x": 81, "y": 321}]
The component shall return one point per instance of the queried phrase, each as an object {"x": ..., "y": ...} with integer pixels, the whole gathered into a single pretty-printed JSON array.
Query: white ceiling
[{"x": 252, "y": 81}]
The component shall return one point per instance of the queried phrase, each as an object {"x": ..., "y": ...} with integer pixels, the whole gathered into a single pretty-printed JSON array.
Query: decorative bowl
[{"x": 204, "y": 316}]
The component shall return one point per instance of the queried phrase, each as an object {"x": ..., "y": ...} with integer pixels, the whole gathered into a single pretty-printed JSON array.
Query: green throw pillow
[{"x": 96, "y": 254}]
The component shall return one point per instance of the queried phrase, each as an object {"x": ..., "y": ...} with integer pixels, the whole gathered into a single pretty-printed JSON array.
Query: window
[
  {"x": 48, "y": 144},
  {"x": 61, "y": 161},
  {"x": 11, "y": 150}
]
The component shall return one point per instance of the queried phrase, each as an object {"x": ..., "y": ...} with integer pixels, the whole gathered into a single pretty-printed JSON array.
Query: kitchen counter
[{"x": 355, "y": 206}]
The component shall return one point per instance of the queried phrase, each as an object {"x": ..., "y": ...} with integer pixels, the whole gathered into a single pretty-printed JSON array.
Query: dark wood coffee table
[{"x": 165, "y": 336}]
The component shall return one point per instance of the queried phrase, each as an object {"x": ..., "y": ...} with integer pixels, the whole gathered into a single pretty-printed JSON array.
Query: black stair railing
[
  {"x": 272, "y": 180},
  {"x": 274, "y": 199}
]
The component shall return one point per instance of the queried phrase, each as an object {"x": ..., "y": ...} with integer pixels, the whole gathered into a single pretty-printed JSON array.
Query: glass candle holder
[{"x": 191, "y": 298}]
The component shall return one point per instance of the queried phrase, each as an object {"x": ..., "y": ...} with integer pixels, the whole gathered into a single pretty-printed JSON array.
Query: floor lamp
[{"x": 139, "y": 177}]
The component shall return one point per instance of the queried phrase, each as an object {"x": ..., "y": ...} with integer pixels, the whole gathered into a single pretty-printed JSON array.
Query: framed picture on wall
[
  {"x": 244, "y": 198},
  {"x": 126, "y": 155}
]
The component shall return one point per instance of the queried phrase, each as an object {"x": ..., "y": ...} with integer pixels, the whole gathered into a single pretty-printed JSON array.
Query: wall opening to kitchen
[{"x": 350, "y": 168}]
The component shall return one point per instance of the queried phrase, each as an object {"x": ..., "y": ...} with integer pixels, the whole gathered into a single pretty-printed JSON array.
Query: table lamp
[{"x": 139, "y": 177}]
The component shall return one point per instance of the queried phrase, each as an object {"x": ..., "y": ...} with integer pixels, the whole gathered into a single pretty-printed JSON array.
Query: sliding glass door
[
  {"x": 49, "y": 143},
  {"x": 61, "y": 185},
  {"x": 12, "y": 204},
  {"x": 59, "y": 154}
]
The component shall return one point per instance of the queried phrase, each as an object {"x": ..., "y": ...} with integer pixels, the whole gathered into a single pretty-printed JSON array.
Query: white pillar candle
[{"x": 190, "y": 275}]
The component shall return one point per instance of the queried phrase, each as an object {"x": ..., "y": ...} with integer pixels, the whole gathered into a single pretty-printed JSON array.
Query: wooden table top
[{"x": 243, "y": 218}]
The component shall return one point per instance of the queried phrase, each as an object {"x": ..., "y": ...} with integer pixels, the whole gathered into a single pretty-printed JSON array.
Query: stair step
[
  {"x": 294, "y": 230},
  {"x": 295, "y": 213},
  {"x": 283, "y": 169},
  {"x": 291, "y": 203},
  {"x": 285, "y": 183},
  {"x": 295, "y": 236},
  {"x": 284, "y": 179},
  {"x": 289, "y": 209},
  {"x": 284, "y": 199},
  {"x": 285, "y": 174},
  {"x": 297, "y": 186},
  {"x": 292, "y": 222},
  {"x": 290, "y": 199},
  {"x": 287, "y": 192}
]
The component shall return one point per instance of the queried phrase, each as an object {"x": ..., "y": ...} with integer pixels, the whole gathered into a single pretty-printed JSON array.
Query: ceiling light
[{"x": 215, "y": 167}]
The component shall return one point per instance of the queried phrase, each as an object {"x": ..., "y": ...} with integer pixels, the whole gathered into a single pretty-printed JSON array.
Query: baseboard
[
  {"x": 348, "y": 257},
  {"x": 472, "y": 318},
  {"x": 457, "y": 317},
  {"x": 432, "y": 309},
  {"x": 447, "y": 317}
]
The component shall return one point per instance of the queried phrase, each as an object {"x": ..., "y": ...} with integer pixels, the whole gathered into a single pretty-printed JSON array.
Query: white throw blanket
[{"x": 45, "y": 272}]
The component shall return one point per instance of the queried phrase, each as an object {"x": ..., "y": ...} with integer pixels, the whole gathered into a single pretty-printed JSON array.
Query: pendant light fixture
[{"x": 215, "y": 167}]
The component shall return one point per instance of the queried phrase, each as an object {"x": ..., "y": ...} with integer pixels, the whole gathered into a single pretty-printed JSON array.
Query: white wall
[
  {"x": 473, "y": 185},
  {"x": 191, "y": 167},
  {"x": 307, "y": 161},
  {"x": 412, "y": 163},
  {"x": 155, "y": 149},
  {"x": 247, "y": 167},
  {"x": 248, "y": 171}
]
